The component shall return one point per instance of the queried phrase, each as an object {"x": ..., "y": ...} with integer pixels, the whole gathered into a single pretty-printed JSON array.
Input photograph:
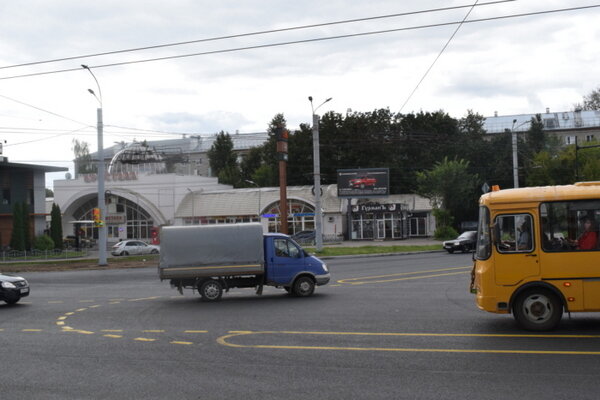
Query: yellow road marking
[
  {"x": 368, "y": 279},
  {"x": 223, "y": 340},
  {"x": 195, "y": 331},
  {"x": 95, "y": 306},
  {"x": 60, "y": 323},
  {"x": 112, "y": 330},
  {"x": 115, "y": 302},
  {"x": 116, "y": 299},
  {"x": 32, "y": 330},
  {"x": 145, "y": 298},
  {"x": 78, "y": 331},
  {"x": 114, "y": 336},
  {"x": 69, "y": 313},
  {"x": 81, "y": 309},
  {"x": 62, "y": 318},
  {"x": 154, "y": 331},
  {"x": 144, "y": 339},
  {"x": 178, "y": 342}
]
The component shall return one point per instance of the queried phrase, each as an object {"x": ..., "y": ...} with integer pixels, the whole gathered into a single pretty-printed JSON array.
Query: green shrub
[
  {"x": 445, "y": 233},
  {"x": 43, "y": 242}
]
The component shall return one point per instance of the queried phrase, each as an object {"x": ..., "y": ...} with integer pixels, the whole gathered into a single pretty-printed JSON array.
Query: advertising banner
[{"x": 361, "y": 183}]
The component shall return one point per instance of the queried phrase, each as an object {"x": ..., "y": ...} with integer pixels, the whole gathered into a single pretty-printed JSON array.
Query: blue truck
[{"x": 215, "y": 258}]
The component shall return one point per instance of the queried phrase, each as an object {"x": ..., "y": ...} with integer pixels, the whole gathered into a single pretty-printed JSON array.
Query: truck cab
[{"x": 286, "y": 262}]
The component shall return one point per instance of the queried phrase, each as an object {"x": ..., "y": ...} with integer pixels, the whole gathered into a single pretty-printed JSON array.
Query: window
[
  {"x": 285, "y": 248},
  {"x": 570, "y": 225},
  {"x": 5, "y": 196},
  {"x": 589, "y": 138},
  {"x": 514, "y": 233},
  {"x": 484, "y": 248}
]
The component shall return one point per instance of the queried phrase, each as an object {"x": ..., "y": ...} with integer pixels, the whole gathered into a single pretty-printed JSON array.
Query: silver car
[{"x": 133, "y": 247}]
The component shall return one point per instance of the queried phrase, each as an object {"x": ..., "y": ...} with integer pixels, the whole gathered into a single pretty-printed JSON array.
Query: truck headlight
[
  {"x": 325, "y": 268},
  {"x": 8, "y": 285}
]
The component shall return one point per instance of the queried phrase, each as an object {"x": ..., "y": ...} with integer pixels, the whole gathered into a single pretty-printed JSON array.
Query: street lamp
[
  {"x": 514, "y": 150},
  {"x": 259, "y": 193},
  {"x": 102, "y": 233},
  {"x": 317, "y": 176}
]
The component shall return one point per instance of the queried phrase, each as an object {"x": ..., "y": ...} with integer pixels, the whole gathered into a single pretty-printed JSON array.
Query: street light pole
[
  {"x": 317, "y": 176},
  {"x": 102, "y": 233},
  {"x": 514, "y": 152}
]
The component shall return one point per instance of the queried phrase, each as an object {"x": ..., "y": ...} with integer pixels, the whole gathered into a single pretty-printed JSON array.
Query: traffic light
[{"x": 97, "y": 217}]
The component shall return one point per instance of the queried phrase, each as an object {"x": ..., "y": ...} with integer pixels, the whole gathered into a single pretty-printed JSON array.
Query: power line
[
  {"x": 438, "y": 57},
  {"x": 304, "y": 41},
  {"x": 251, "y": 34}
]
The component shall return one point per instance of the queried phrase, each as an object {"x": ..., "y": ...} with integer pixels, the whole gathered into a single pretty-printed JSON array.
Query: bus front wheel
[{"x": 538, "y": 309}]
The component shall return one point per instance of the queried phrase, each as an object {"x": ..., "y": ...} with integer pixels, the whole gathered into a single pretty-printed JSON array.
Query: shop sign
[
  {"x": 117, "y": 176},
  {"x": 115, "y": 219},
  {"x": 376, "y": 207}
]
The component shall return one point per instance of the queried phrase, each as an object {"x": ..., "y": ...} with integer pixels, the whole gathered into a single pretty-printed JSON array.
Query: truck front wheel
[
  {"x": 303, "y": 286},
  {"x": 211, "y": 290}
]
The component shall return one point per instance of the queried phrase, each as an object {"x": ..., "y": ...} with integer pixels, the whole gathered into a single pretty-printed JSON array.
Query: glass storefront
[
  {"x": 379, "y": 222},
  {"x": 125, "y": 220}
]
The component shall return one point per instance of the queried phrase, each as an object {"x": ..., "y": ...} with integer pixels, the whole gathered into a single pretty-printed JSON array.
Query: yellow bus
[{"x": 538, "y": 253}]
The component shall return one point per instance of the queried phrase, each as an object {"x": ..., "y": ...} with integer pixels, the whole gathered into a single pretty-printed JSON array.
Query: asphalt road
[{"x": 384, "y": 328}]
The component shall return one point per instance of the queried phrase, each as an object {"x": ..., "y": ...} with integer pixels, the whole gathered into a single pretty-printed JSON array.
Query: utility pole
[
  {"x": 317, "y": 176},
  {"x": 282, "y": 155},
  {"x": 102, "y": 233},
  {"x": 515, "y": 156}
]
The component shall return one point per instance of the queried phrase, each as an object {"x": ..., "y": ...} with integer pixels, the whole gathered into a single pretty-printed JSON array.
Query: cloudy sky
[{"x": 511, "y": 65}]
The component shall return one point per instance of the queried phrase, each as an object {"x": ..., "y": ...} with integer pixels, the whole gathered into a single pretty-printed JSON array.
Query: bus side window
[{"x": 516, "y": 233}]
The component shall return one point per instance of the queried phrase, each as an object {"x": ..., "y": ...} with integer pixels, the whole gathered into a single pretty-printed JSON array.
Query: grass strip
[{"x": 362, "y": 250}]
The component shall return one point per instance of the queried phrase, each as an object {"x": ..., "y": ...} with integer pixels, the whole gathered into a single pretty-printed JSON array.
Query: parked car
[
  {"x": 465, "y": 242},
  {"x": 133, "y": 247},
  {"x": 12, "y": 288},
  {"x": 304, "y": 237},
  {"x": 363, "y": 182}
]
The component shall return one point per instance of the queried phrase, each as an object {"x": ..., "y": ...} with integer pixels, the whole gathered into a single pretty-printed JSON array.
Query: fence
[{"x": 37, "y": 255}]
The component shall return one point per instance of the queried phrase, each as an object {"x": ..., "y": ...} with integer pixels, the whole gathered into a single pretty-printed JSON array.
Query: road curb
[{"x": 406, "y": 253}]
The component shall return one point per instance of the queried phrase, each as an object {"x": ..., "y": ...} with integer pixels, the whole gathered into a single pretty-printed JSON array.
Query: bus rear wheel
[{"x": 538, "y": 309}]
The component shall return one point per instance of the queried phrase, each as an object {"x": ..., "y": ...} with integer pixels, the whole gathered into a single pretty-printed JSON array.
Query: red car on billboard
[{"x": 362, "y": 182}]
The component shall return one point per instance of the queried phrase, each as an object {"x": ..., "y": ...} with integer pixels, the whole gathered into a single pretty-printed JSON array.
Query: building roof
[
  {"x": 238, "y": 202},
  {"x": 194, "y": 144},
  {"x": 566, "y": 120},
  {"x": 37, "y": 167}
]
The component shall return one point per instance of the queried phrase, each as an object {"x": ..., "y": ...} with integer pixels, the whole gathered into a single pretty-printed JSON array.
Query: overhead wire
[
  {"x": 303, "y": 41},
  {"x": 256, "y": 33}
]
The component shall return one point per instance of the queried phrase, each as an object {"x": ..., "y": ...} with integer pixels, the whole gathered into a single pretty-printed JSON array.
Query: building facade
[{"x": 26, "y": 184}]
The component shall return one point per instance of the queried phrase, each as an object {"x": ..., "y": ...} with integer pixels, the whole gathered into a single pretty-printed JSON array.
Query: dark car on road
[
  {"x": 12, "y": 288},
  {"x": 465, "y": 242},
  {"x": 304, "y": 237}
]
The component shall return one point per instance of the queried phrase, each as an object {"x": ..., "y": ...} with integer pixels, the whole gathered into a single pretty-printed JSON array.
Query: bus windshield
[{"x": 484, "y": 243}]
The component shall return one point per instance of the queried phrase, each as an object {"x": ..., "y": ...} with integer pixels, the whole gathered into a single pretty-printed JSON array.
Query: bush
[
  {"x": 43, "y": 242},
  {"x": 445, "y": 233}
]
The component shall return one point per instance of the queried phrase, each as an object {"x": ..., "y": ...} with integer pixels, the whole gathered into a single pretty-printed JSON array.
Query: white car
[{"x": 133, "y": 247}]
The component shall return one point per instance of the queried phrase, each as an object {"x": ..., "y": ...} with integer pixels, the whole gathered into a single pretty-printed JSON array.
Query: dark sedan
[
  {"x": 12, "y": 288},
  {"x": 465, "y": 242}
]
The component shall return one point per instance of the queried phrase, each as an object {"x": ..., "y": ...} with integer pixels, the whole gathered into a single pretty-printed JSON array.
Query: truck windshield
[{"x": 484, "y": 243}]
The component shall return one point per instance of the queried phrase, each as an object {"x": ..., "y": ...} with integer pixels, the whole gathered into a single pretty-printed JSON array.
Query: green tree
[
  {"x": 592, "y": 100},
  {"x": 251, "y": 161},
  {"x": 83, "y": 159},
  {"x": 26, "y": 226},
  {"x": 49, "y": 193},
  {"x": 221, "y": 154},
  {"x": 43, "y": 242},
  {"x": 17, "y": 240},
  {"x": 56, "y": 232},
  {"x": 450, "y": 186}
]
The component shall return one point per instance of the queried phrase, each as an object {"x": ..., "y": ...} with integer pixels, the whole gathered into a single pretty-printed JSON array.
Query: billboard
[{"x": 369, "y": 182}]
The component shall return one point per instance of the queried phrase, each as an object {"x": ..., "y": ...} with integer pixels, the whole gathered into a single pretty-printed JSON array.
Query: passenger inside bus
[{"x": 588, "y": 240}]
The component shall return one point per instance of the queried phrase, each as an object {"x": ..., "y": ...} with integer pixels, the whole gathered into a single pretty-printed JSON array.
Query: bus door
[{"x": 516, "y": 257}]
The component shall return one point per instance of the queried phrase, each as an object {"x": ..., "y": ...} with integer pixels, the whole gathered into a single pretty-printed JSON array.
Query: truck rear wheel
[
  {"x": 538, "y": 309},
  {"x": 211, "y": 290},
  {"x": 303, "y": 287}
]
